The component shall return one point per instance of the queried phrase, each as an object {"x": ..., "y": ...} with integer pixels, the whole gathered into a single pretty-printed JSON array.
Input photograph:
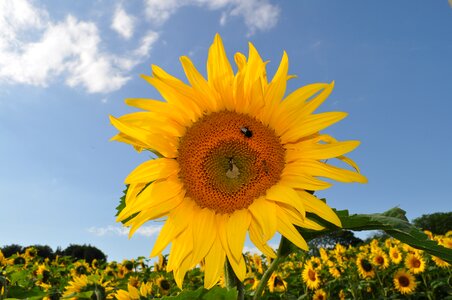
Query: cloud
[
  {"x": 146, "y": 43},
  {"x": 123, "y": 23},
  {"x": 257, "y": 14},
  {"x": 146, "y": 231},
  {"x": 68, "y": 50}
]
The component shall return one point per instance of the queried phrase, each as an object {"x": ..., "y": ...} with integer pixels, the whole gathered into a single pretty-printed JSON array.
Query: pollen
[{"x": 228, "y": 159}]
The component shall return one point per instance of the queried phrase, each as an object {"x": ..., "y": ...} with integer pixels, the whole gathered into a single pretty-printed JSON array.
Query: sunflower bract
[{"x": 235, "y": 156}]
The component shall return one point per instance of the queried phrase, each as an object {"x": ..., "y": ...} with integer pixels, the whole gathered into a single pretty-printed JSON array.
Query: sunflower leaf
[
  {"x": 122, "y": 205},
  {"x": 393, "y": 222},
  {"x": 215, "y": 293}
]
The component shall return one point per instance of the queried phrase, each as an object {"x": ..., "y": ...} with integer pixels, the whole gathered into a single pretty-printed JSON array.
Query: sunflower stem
[
  {"x": 283, "y": 251},
  {"x": 232, "y": 281}
]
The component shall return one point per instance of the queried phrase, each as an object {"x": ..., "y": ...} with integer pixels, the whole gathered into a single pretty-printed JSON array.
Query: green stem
[
  {"x": 283, "y": 251},
  {"x": 232, "y": 281}
]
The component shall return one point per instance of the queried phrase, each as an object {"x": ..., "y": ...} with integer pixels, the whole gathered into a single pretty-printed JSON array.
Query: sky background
[{"x": 65, "y": 66}]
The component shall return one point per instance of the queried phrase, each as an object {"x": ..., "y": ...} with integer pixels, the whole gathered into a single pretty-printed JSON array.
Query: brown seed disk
[{"x": 228, "y": 159}]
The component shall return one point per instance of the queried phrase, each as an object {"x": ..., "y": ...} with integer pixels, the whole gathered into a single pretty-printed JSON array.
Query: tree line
[{"x": 86, "y": 252}]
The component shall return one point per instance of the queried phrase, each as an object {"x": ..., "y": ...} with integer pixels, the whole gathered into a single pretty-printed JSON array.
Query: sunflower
[
  {"x": 276, "y": 283},
  {"x": 404, "y": 282},
  {"x": 232, "y": 156},
  {"x": 163, "y": 285},
  {"x": 319, "y": 295},
  {"x": 415, "y": 263},
  {"x": 134, "y": 293},
  {"x": 395, "y": 255},
  {"x": 365, "y": 268},
  {"x": 440, "y": 263},
  {"x": 380, "y": 259},
  {"x": 310, "y": 277}
]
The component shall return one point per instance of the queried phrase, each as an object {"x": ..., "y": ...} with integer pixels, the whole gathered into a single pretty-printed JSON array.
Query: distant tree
[
  {"x": 86, "y": 252},
  {"x": 328, "y": 241},
  {"x": 44, "y": 251},
  {"x": 12, "y": 249},
  {"x": 437, "y": 223}
]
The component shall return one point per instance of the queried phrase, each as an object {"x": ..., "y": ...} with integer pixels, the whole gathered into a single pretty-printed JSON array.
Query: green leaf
[
  {"x": 215, "y": 293},
  {"x": 122, "y": 205},
  {"x": 393, "y": 222},
  {"x": 21, "y": 293}
]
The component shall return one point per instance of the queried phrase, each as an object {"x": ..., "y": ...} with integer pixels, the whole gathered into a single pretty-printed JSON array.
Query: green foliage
[
  {"x": 215, "y": 293},
  {"x": 437, "y": 223},
  {"x": 86, "y": 252},
  {"x": 393, "y": 222}
]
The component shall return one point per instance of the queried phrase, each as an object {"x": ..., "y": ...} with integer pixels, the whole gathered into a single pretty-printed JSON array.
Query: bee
[
  {"x": 246, "y": 132},
  {"x": 231, "y": 163}
]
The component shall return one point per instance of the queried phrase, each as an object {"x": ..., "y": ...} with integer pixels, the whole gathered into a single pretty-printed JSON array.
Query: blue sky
[{"x": 66, "y": 65}]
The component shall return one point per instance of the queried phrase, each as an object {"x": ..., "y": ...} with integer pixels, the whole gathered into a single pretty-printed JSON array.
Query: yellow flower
[
  {"x": 319, "y": 295},
  {"x": 440, "y": 263},
  {"x": 76, "y": 285},
  {"x": 404, "y": 282},
  {"x": 310, "y": 277},
  {"x": 415, "y": 263},
  {"x": 133, "y": 293},
  {"x": 276, "y": 283},
  {"x": 395, "y": 255},
  {"x": 163, "y": 285},
  {"x": 380, "y": 259},
  {"x": 234, "y": 156},
  {"x": 365, "y": 268}
]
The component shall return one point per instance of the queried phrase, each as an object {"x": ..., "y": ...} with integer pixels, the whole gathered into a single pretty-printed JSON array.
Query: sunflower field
[{"x": 386, "y": 269}]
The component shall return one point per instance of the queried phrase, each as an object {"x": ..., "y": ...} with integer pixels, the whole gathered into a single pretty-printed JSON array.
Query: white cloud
[
  {"x": 123, "y": 231},
  {"x": 146, "y": 43},
  {"x": 70, "y": 50},
  {"x": 123, "y": 23},
  {"x": 257, "y": 14}
]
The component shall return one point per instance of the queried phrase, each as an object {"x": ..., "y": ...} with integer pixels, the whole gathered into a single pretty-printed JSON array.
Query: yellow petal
[
  {"x": 154, "y": 195},
  {"x": 239, "y": 267},
  {"x": 303, "y": 181},
  {"x": 315, "y": 102},
  {"x": 154, "y": 212},
  {"x": 310, "y": 125},
  {"x": 215, "y": 260},
  {"x": 219, "y": 72},
  {"x": 207, "y": 97},
  {"x": 287, "y": 195},
  {"x": 177, "y": 222},
  {"x": 170, "y": 111},
  {"x": 308, "y": 149},
  {"x": 165, "y": 146},
  {"x": 289, "y": 231},
  {"x": 322, "y": 169},
  {"x": 296, "y": 218},
  {"x": 263, "y": 212},
  {"x": 256, "y": 237},
  {"x": 152, "y": 170},
  {"x": 204, "y": 233},
  {"x": 237, "y": 228},
  {"x": 320, "y": 208},
  {"x": 176, "y": 94},
  {"x": 276, "y": 89},
  {"x": 181, "y": 248}
]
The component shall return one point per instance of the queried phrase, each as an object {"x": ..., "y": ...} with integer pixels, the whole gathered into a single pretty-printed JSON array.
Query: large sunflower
[{"x": 233, "y": 157}]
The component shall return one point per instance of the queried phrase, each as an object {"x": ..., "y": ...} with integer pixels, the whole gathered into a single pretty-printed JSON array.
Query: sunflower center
[
  {"x": 228, "y": 159},
  {"x": 416, "y": 263},
  {"x": 366, "y": 265},
  {"x": 312, "y": 275},
  {"x": 404, "y": 281}
]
